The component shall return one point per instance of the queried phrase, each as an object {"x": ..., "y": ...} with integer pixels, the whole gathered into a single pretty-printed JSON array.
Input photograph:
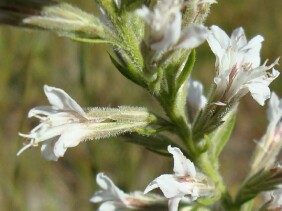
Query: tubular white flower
[
  {"x": 270, "y": 144},
  {"x": 164, "y": 27},
  {"x": 185, "y": 184},
  {"x": 112, "y": 198},
  {"x": 65, "y": 124},
  {"x": 238, "y": 66}
]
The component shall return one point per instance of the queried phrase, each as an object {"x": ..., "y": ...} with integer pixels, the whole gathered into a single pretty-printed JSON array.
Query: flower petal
[
  {"x": 71, "y": 137},
  {"x": 111, "y": 206},
  {"x": 259, "y": 91},
  {"x": 110, "y": 191},
  {"x": 170, "y": 186},
  {"x": 171, "y": 34},
  {"x": 47, "y": 149},
  {"x": 218, "y": 41},
  {"x": 274, "y": 110},
  {"x": 41, "y": 110},
  {"x": 238, "y": 38},
  {"x": 182, "y": 165},
  {"x": 193, "y": 36},
  {"x": 173, "y": 203},
  {"x": 61, "y": 100}
]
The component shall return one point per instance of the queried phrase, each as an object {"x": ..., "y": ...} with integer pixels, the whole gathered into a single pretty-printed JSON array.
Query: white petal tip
[{"x": 150, "y": 187}]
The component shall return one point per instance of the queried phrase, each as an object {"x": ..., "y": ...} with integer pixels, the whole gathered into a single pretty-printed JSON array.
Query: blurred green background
[{"x": 30, "y": 59}]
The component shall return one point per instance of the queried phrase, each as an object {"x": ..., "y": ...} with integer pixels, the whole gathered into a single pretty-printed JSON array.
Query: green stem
[
  {"x": 177, "y": 117},
  {"x": 205, "y": 164}
]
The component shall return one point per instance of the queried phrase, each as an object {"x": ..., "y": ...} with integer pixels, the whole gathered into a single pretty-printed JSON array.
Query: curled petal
[
  {"x": 182, "y": 165},
  {"x": 41, "y": 110},
  {"x": 61, "y": 100},
  {"x": 109, "y": 190},
  {"x": 170, "y": 186},
  {"x": 47, "y": 149},
  {"x": 259, "y": 91}
]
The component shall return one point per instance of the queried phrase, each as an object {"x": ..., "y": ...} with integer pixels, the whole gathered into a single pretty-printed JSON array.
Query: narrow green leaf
[
  {"x": 130, "y": 5},
  {"x": 221, "y": 136},
  {"x": 94, "y": 40},
  {"x": 128, "y": 73},
  {"x": 186, "y": 70},
  {"x": 156, "y": 143}
]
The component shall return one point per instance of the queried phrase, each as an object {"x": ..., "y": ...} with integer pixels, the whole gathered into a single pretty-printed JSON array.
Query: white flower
[
  {"x": 164, "y": 27},
  {"x": 185, "y": 184},
  {"x": 65, "y": 124},
  {"x": 195, "y": 97},
  {"x": 238, "y": 66},
  {"x": 113, "y": 198},
  {"x": 270, "y": 144},
  {"x": 274, "y": 112}
]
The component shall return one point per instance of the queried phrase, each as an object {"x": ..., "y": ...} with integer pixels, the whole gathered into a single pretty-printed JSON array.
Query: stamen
[
  {"x": 24, "y": 148},
  {"x": 25, "y": 135}
]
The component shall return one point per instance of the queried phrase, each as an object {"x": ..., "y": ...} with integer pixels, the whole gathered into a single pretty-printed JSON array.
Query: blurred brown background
[{"x": 30, "y": 59}]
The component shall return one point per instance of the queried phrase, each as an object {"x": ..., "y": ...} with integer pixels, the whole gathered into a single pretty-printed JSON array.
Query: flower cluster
[{"x": 238, "y": 66}]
